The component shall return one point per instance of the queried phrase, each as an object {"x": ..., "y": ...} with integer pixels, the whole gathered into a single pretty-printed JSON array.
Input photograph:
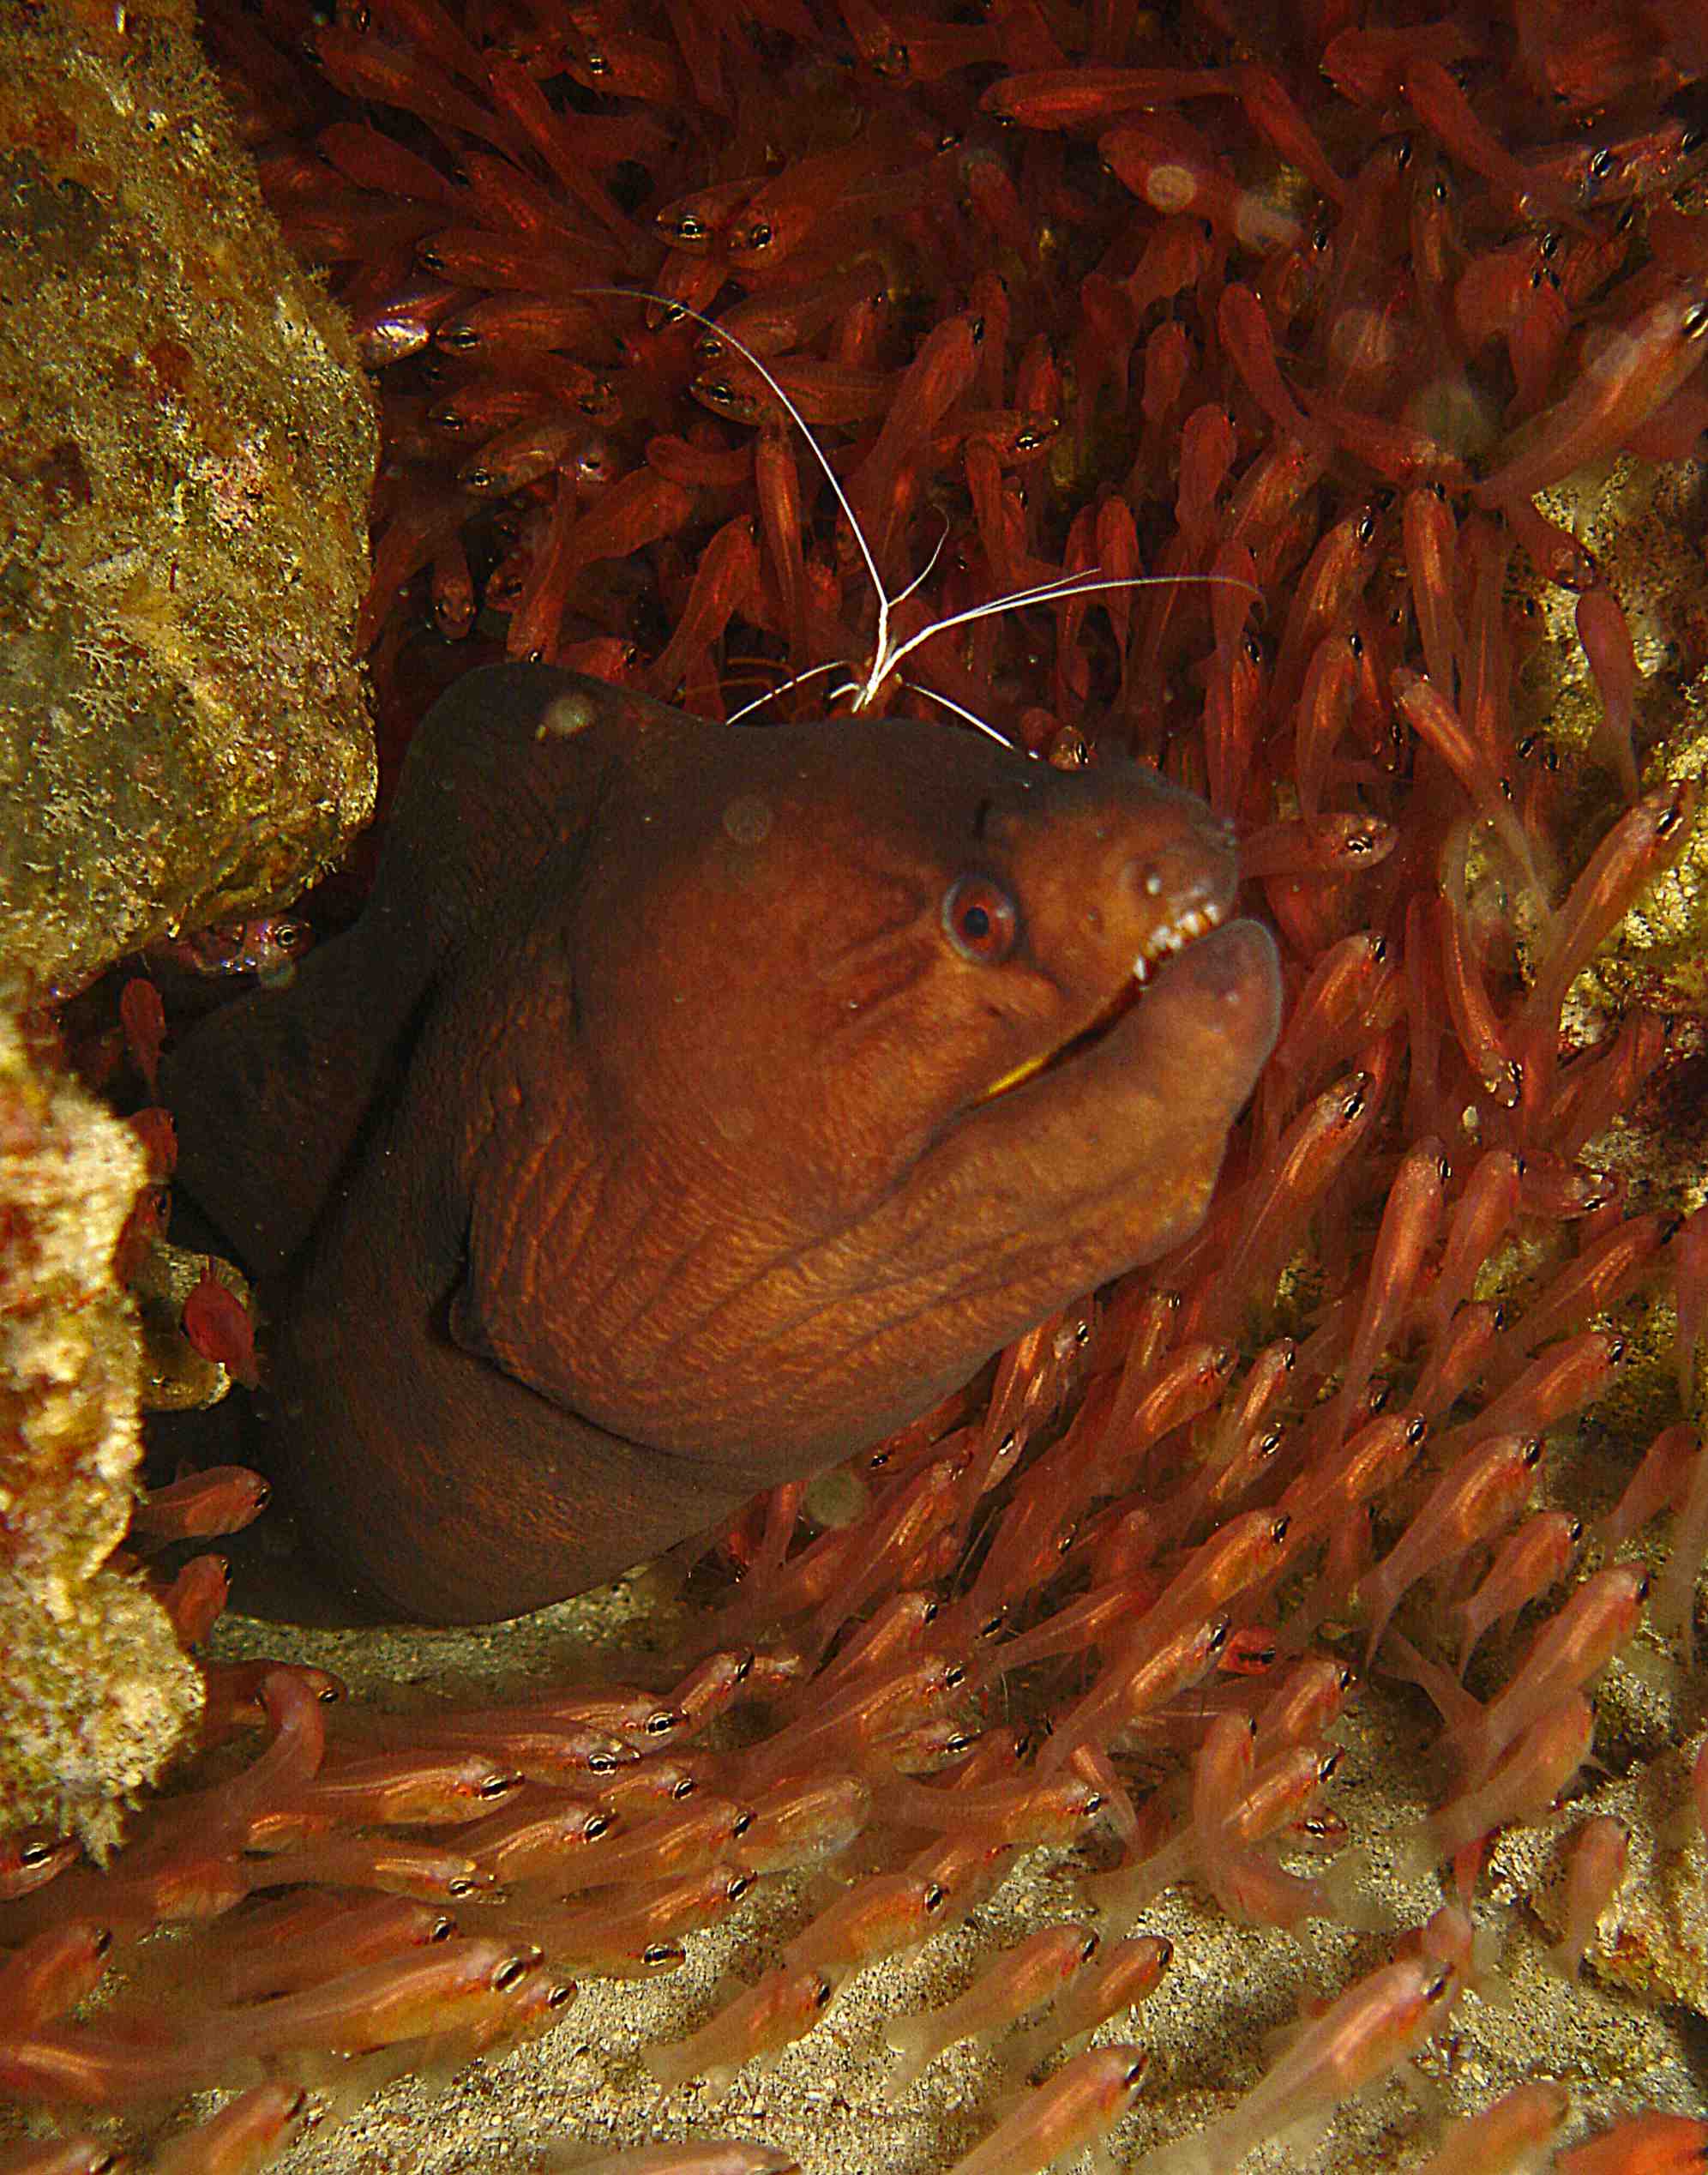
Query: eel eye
[{"x": 980, "y": 920}]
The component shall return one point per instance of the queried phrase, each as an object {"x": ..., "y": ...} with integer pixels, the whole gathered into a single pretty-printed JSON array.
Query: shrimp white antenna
[
  {"x": 795, "y": 680},
  {"x": 885, "y": 658},
  {"x": 914, "y": 687}
]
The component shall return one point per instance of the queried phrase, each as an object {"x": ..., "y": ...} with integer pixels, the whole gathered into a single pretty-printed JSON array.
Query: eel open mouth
[{"x": 1171, "y": 937}]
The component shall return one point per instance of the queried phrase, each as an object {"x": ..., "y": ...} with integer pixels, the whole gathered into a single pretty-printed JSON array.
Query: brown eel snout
[{"x": 693, "y": 1105}]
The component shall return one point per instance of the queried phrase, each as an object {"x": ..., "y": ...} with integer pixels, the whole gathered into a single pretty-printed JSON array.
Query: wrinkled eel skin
[{"x": 691, "y": 1107}]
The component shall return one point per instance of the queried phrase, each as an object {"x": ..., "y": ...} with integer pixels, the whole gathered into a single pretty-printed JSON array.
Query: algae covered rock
[
  {"x": 186, "y": 445},
  {"x": 96, "y": 1692}
]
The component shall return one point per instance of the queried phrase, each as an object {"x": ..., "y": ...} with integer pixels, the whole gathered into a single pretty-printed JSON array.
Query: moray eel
[{"x": 691, "y": 1107}]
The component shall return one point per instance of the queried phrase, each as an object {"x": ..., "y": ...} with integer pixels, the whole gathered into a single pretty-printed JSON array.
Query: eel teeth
[{"x": 1175, "y": 936}]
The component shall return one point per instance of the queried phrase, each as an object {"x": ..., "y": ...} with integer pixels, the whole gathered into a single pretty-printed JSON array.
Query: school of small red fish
[{"x": 1315, "y": 297}]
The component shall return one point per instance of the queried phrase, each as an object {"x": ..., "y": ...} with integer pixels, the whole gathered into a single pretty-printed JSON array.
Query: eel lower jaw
[{"x": 1173, "y": 936}]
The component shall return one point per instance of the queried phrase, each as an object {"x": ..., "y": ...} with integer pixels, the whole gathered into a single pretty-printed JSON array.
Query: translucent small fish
[
  {"x": 782, "y": 2007},
  {"x": 1645, "y": 2144},
  {"x": 1379, "y": 2022},
  {"x": 243, "y": 2136},
  {"x": 1003, "y": 1991},
  {"x": 1513, "y": 2137},
  {"x": 1118, "y": 1978},
  {"x": 1079, "y": 2105},
  {"x": 1597, "y": 1853}
]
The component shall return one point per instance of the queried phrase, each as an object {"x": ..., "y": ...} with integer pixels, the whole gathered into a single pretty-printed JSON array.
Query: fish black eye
[
  {"x": 980, "y": 919},
  {"x": 563, "y": 1991},
  {"x": 508, "y": 1972},
  {"x": 758, "y": 237},
  {"x": 822, "y": 1992},
  {"x": 934, "y": 1897},
  {"x": 1695, "y": 322},
  {"x": 596, "y": 1824}
]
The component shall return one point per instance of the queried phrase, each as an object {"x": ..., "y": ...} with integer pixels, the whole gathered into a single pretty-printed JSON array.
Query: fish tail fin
[{"x": 914, "y": 2049}]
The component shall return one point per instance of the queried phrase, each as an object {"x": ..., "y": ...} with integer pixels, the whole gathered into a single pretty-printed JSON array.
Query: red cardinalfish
[
  {"x": 334, "y": 1935},
  {"x": 615, "y": 1935},
  {"x": 51, "y": 1973},
  {"x": 1522, "y": 1785},
  {"x": 1644, "y": 2144},
  {"x": 1661, "y": 1481},
  {"x": 1640, "y": 847},
  {"x": 1142, "y": 1676},
  {"x": 1676, "y": 1601},
  {"x": 1471, "y": 1501},
  {"x": 1569, "y": 1649},
  {"x": 1377, "y": 2023},
  {"x": 1023, "y": 1977},
  {"x": 221, "y": 1818},
  {"x": 1411, "y": 1224},
  {"x": 426, "y": 1788},
  {"x": 1628, "y": 370},
  {"x": 74, "y": 2156},
  {"x": 396, "y": 1868},
  {"x": 1023, "y": 1811},
  {"x": 242, "y": 2137},
  {"x": 1596, "y": 1857},
  {"x": 1119, "y": 1979},
  {"x": 784, "y": 2007},
  {"x": 678, "y": 1842},
  {"x": 1079, "y": 2104},
  {"x": 220, "y": 1500},
  {"x": 805, "y": 1819},
  {"x": 887, "y": 1913},
  {"x": 1509, "y": 2138},
  {"x": 1529, "y": 1562},
  {"x": 1477, "y": 1223},
  {"x": 531, "y": 1839},
  {"x": 406, "y": 1996}
]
